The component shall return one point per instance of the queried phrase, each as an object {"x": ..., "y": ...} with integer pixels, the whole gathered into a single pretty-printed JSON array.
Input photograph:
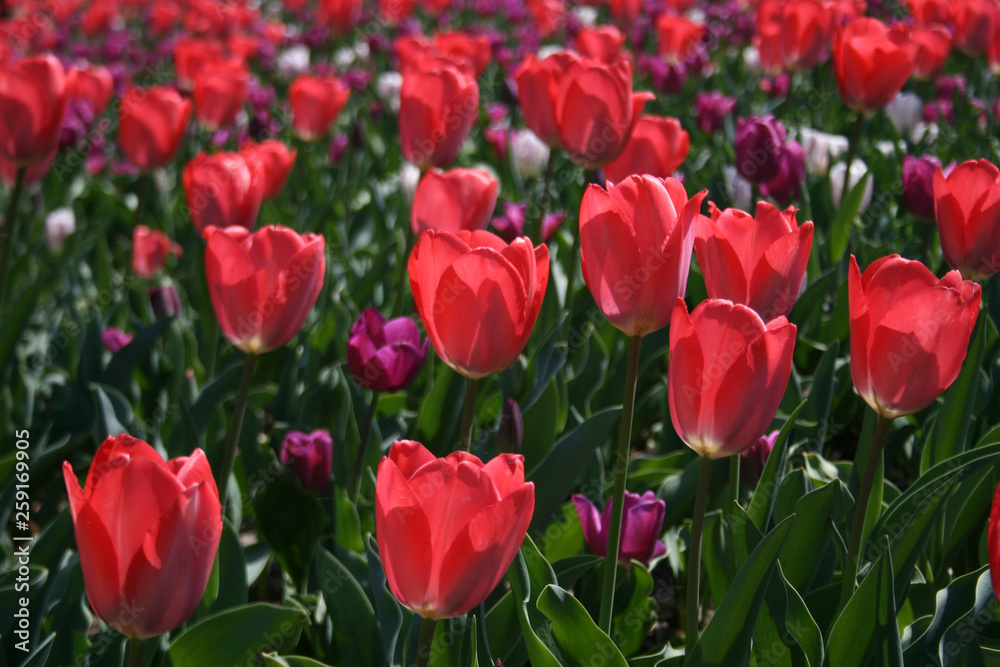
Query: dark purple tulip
[
  {"x": 918, "y": 184},
  {"x": 338, "y": 146},
  {"x": 164, "y": 301},
  {"x": 550, "y": 223},
  {"x": 787, "y": 183},
  {"x": 711, "y": 109},
  {"x": 760, "y": 142},
  {"x": 754, "y": 459},
  {"x": 642, "y": 522},
  {"x": 384, "y": 356},
  {"x": 310, "y": 457},
  {"x": 510, "y": 433},
  {"x": 115, "y": 339},
  {"x": 510, "y": 225}
]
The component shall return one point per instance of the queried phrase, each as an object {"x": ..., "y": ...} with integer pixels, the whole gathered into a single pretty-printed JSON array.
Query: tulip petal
[
  {"x": 99, "y": 562},
  {"x": 590, "y": 521}
]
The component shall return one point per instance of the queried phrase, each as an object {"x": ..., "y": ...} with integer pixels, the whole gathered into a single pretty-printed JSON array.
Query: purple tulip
[
  {"x": 711, "y": 109},
  {"x": 918, "y": 185},
  {"x": 310, "y": 456},
  {"x": 384, "y": 356},
  {"x": 754, "y": 459},
  {"x": 760, "y": 142},
  {"x": 115, "y": 339},
  {"x": 510, "y": 433},
  {"x": 510, "y": 225},
  {"x": 164, "y": 301},
  {"x": 642, "y": 522},
  {"x": 787, "y": 183}
]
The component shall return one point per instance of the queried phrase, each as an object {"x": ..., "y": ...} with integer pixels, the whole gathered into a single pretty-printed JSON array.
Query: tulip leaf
[
  {"x": 390, "y": 618},
  {"x": 118, "y": 372},
  {"x": 39, "y": 657},
  {"x": 556, "y": 476},
  {"x": 727, "y": 637},
  {"x": 247, "y": 631},
  {"x": 951, "y": 429},
  {"x": 866, "y": 631},
  {"x": 450, "y": 646},
  {"x": 548, "y": 360},
  {"x": 231, "y": 573},
  {"x": 291, "y": 661},
  {"x": 528, "y": 575},
  {"x": 821, "y": 394},
  {"x": 634, "y": 607},
  {"x": 91, "y": 362},
  {"x": 965, "y": 516},
  {"x": 982, "y": 612},
  {"x": 204, "y": 406},
  {"x": 810, "y": 535},
  {"x": 576, "y": 634},
  {"x": 355, "y": 629},
  {"x": 762, "y": 502},
  {"x": 840, "y": 232},
  {"x": 503, "y": 629},
  {"x": 17, "y": 320},
  {"x": 291, "y": 520},
  {"x": 114, "y": 412},
  {"x": 958, "y": 607}
]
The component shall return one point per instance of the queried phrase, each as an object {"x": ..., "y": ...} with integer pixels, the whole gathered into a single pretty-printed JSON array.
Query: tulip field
[{"x": 499, "y": 333}]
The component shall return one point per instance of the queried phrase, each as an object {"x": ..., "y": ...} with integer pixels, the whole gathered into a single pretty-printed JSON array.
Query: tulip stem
[
  {"x": 852, "y": 152},
  {"x": 359, "y": 465},
  {"x": 468, "y": 413},
  {"x": 136, "y": 652},
  {"x": 543, "y": 206},
  {"x": 426, "y": 641},
  {"x": 734, "y": 499},
  {"x": 398, "y": 307},
  {"x": 861, "y": 511},
  {"x": 232, "y": 441},
  {"x": 694, "y": 556},
  {"x": 8, "y": 236},
  {"x": 621, "y": 475}
]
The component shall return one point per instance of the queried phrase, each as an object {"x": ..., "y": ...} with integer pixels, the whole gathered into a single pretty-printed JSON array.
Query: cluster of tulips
[{"x": 448, "y": 528}]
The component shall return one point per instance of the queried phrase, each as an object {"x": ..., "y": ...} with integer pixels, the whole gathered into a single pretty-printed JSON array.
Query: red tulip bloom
[
  {"x": 147, "y": 532},
  {"x": 220, "y": 90},
  {"x": 223, "y": 189},
  {"x": 967, "y": 210},
  {"x": 462, "y": 45},
  {"x": 993, "y": 543},
  {"x": 976, "y": 23},
  {"x": 34, "y": 94},
  {"x": 549, "y": 15},
  {"x": 909, "y": 332},
  {"x": 94, "y": 85},
  {"x": 604, "y": 43},
  {"x": 150, "y": 249},
  {"x": 151, "y": 125},
  {"x": 448, "y": 528},
  {"x": 538, "y": 92},
  {"x": 927, "y": 12},
  {"x": 316, "y": 103},
  {"x": 759, "y": 261},
  {"x": 932, "y": 46},
  {"x": 263, "y": 284},
  {"x": 448, "y": 201},
  {"x": 657, "y": 147},
  {"x": 872, "y": 62},
  {"x": 477, "y": 296},
  {"x": 32, "y": 175},
  {"x": 728, "y": 372},
  {"x": 636, "y": 239},
  {"x": 394, "y": 12},
  {"x": 799, "y": 32},
  {"x": 677, "y": 36},
  {"x": 340, "y": 16},
  {"x": 276, "y": 159},
  {"x": 191, "y": 56},
  {"x": 596, "y": 111},
  {"x": 437, "y": 107}
]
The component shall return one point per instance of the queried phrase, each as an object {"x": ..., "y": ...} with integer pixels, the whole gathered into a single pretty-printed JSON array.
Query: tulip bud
[
  {"x": 918, "y": 185},
  {"x": 754, "y": 459},
  {"x": 760, "y": 141},
  {"x": 510, "y": 433},
  {"x": 711, "y": 109},
  {"x": 164, "y": 301},
  {"x": 642, "y": 522},
  {"x": 510, "y": 225},
  {"x": 529, "y": 155},
  {"x": 59, "y": 224},
  {"x": 310, "y": 457},
  {"x": 820, "y": 148},
  {"x": 384, "y": 355},
  {"x": 858, "y": 170},
  {"x": 905, "y": 110},
  {"x": 115, "y": 339}
]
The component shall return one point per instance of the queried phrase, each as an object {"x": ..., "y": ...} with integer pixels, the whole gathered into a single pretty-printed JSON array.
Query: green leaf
[
  {"x": 953, "y": 605},
  {"x": 762, "y": 502},
  {"x": 528, "y": 575},
  {"x": 633, "y": 609},
  {"x": 123, "y": 363},
  {"x": 291, "y": 520},
  {"x": 232, "y": 573},
  {"x": 15, "y": 324},
  {"x": 291, "y": 661},
  {"x": 230, "y": 637},
  {"x": 840, "y": 232},
  {"x": 726, "y": 639},
  {"x": 556, "y": 476},
  {"x": 355, "y": 629},
  {"x": 390, "y": 617},
  {"x": 866, "y": 631},
  {"x": 548, "y": 361},
  {"x": 204, "y": 406},
  {"x": 951, "y": 429},
  {"x": 810, "y": 535},
  {"x": 581, "y": 641}
]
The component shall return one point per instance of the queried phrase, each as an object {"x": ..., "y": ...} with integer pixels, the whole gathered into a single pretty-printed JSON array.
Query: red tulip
[
  {"x": 94, "y": 85},
  {"x": 394, "y": 12},
  {"x": 447, "y": 201},
  {"x": 931, "y": 50},
  {"x": 677, "y": 36},
  {"x": 636, "y": 240},
  {"x": 220, "y": 90},
  {"x": 927, "y": 12},
  {"x": 759, "y": 261},
  {"x": 909, "y": 332},
  {"x": 657, "y": 147},
  {"x": 549, "y": 15},
  {"x": 416, "y": 51},
  {"x": 477, "y": 296},
  {"x": 625, "y": 12},
  {"x": 596, "y": 111},
  {"x": 538, "y": 91},
  {"x": 448, "y": 528},
  {"x": 223, "y": 189},
  {"x": 276, "y": 159},
  {"x": 871, "y": 62},
  {"x": 32, "y": 175},
  {"x": 727, "y": 374},
  {"x": 993, "y": 543},
  {"x": 147, "y": 532},
  {"x": 976, "y": 23},
  {"x": 263, "y": 284},
  {"x": 34, "y": 94},
  {"x": 967, "y": 210},
  {"x": 458, "y": 45},
  {"x": 151, "y": 125},
  {"x": 316, "y": 103},
  {"x": 150, "y": 249},
  {"x": 340, "y": 16},
  {"x": 803, "y": 32},
  {"x": 437, "y": 107},
  {"x": 603, "y": 43},
  {"x": 191, "y": 56}
]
